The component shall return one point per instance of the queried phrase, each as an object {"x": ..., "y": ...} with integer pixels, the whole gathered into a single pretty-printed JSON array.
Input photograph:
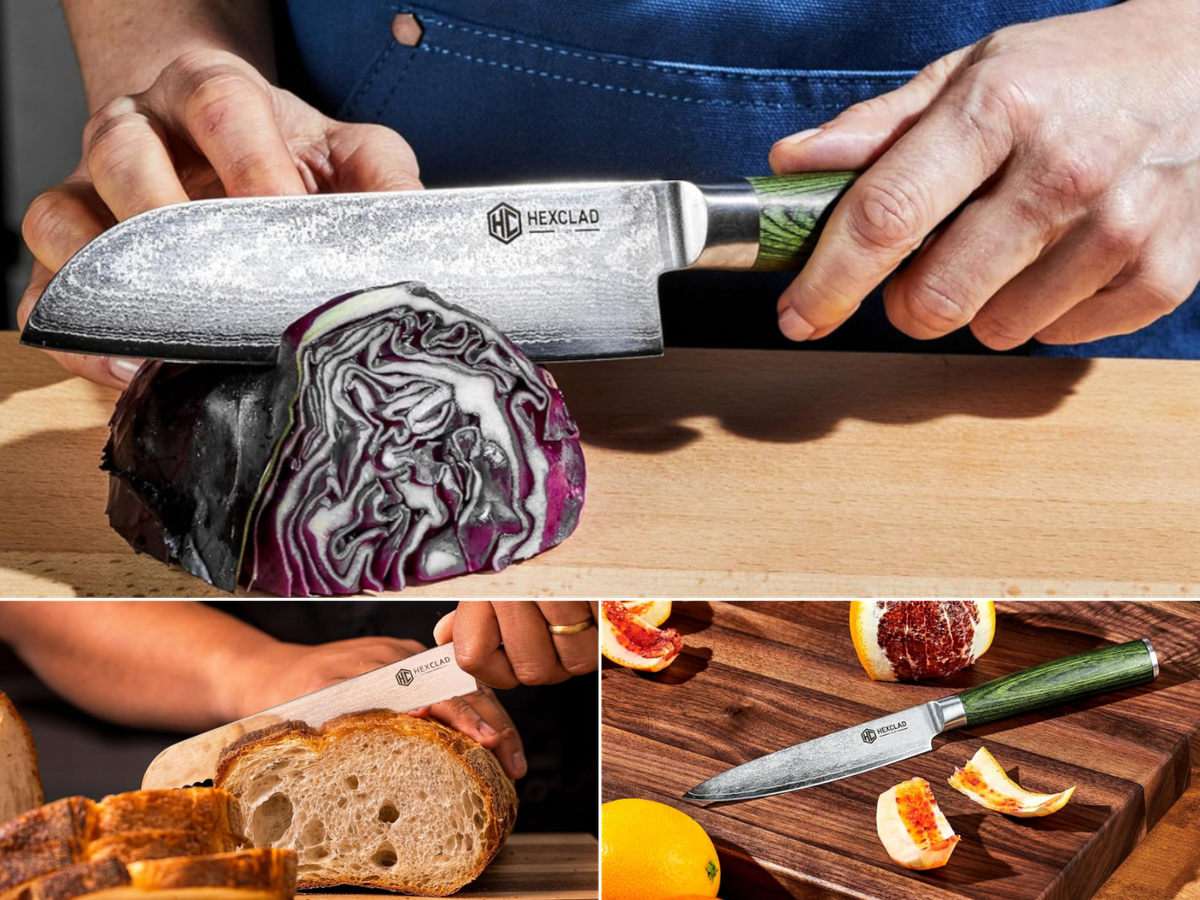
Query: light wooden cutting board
[{"x": 757, "y": 677}]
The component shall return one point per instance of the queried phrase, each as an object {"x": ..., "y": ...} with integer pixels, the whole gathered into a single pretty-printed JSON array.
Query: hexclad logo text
[
  {"x": 504, "y": 223},
  {"x": 404, "y": 677},
  {"x": 868, "y": 735}
]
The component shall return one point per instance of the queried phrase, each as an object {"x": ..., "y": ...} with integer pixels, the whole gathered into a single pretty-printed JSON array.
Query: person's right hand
[{"x": 209, "y": 126}]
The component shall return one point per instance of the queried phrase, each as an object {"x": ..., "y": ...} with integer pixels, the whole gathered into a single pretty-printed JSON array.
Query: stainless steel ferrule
[
  {"x": 952, "y": 712},
  {"x": 733, "y": 222}
]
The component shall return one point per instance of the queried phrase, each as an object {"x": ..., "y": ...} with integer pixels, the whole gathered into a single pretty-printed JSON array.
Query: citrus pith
[
  {"x": 984, "y": 780},
  {"x": 649, "y": 850},
  {"x": 628, "y": 640}
]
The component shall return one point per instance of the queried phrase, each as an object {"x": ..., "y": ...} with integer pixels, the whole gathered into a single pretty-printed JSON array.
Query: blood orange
[
  {"x": 985, "y": 781},
  {"x": 911, "y": 640},
  {"x": 913, "y": 829},
  {"x": 652, "y": 612},
  {"x": 631, "y": 641}
]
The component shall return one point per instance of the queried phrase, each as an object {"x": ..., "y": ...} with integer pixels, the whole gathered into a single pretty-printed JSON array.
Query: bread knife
[
  {"x": 910, "y": 732},
  {"x": 420, "y": 680}
]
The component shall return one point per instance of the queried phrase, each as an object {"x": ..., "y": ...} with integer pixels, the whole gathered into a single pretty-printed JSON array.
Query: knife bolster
[
  {"x": 731, "y": 241},
  {"x": 952, "y": 712}
]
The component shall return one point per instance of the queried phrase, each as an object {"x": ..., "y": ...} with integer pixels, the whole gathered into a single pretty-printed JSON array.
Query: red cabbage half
[{"x": 398, "y": 437}]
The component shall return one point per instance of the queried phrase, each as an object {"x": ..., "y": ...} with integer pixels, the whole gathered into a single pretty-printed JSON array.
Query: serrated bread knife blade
[
  {"x": 568, "y": 271},
  {"x": 910, "y": 732},
  {"x": 420, "y": 680}
]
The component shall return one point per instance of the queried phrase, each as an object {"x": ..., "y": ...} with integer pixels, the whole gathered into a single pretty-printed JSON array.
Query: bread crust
[
  {"x": 27, "y": 863},
  {"x": 73, "y": 881},
  {"x": 265, "y": 869},
  {"x": 190, "y": 809},
  {"x": 494, "y": 786},
  {"x": 161, "y": 844},
  {"x": 7, "y": 709},
  {"x": 67, "y": 819}
]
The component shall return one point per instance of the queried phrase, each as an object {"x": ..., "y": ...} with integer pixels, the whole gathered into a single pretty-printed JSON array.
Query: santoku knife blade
[
  {"x": 420, "y": 680},
  {"x": 899, "y": 736},
  {"x": 568, "y": 271}
]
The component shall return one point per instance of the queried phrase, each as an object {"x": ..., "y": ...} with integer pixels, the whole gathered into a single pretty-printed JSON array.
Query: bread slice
[
  {"x": 375, "y": 799},
  {"x": 128, "y": 827},
  {"x": 245, "y": 875},
  {"x": 20, "y": 784},
  {"x": 27, "y": 863},
  {"x": 62, "y": 820},
  {"x": 161, "y": 844},
  {"x": 190, "y": 809}
]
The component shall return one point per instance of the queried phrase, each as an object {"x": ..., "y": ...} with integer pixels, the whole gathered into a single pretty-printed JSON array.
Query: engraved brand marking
[
  {"x": 870, "y": 734},
  {"x": 405, "y": 677},
  {"x": 504, "y": 223}
]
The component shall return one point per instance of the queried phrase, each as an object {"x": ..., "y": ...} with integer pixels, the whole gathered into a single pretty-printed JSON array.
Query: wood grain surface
[
  {"x": 529, "y": 867},
  {"x": 757, "y": 677},
  {"x": 750, "y": 473}
]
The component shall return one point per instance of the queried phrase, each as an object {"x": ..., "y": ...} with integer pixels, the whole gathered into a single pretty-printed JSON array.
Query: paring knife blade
[
  {"x": 420, "y": 680},
  {"x": 568, "y": 271},
  {"x": 900, "y": 736},
  {"x": 851, "y": 751}
]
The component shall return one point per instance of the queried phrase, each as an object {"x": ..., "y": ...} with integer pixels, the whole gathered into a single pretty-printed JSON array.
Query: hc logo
[
  {"x": 504, "y": 223},
  {"x": 868, "y": 736},
  {"x": 404, "y": 677}
]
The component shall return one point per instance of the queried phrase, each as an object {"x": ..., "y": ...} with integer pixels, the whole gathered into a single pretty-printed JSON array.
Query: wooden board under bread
[
  {"x": 756, "y": 677},
  {"x": 529, "y": 867}
]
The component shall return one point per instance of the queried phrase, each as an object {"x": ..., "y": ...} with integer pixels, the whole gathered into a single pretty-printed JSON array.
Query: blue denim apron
[{"x": 510, "y": 90}]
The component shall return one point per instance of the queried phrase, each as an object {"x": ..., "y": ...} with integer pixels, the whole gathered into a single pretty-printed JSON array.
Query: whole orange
[{"x": 650, "y": 851}]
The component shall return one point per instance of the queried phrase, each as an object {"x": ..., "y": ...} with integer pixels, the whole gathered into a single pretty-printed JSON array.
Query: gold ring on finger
[{"x": 571, "y": 629}]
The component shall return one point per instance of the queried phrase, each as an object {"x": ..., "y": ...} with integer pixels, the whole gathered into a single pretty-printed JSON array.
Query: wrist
[{"x": 242, "y": 674}]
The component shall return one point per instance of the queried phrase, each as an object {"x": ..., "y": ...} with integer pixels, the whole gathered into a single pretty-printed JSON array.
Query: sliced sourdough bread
[
  {"x": 20, "y": 785},
  {"x": 139, "y": 825},
  {"x": 205, "y": 810},
  {"x": 245, "y": 875},
  {"x": 376, "y": 800}
]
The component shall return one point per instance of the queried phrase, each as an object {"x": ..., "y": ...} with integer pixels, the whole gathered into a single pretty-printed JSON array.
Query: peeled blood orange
[
  {"x": 629, "y": 640},
  {"x": 911, "y": 640},
  {"x": 652, "y": 612},
  {"x": 985, "y": 781},
  {"x": 914, "y": 831}
]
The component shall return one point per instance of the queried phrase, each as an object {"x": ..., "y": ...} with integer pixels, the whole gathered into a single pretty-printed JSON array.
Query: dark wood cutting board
[
  {"x": 757, "y": 677},
  {"x": 529, "y": 867}
]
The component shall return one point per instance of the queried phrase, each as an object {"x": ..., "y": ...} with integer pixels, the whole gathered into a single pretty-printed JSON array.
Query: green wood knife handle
[
  {"x": 792, "y": 210},
  {"x": 1062, "y": 681}
]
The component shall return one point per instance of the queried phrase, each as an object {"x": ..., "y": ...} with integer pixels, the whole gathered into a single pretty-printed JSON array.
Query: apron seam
[
  {"x": 620, "y": 89},
  {"x": 396, "y": 82},
  {"x": 682, "y": 70}
]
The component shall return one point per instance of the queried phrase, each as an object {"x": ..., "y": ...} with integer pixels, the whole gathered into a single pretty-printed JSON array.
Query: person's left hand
[
  {"x": 504, "y": 643},
  {"x": 1074, "y": 139}
]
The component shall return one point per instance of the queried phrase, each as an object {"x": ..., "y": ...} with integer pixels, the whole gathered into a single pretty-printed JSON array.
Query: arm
[
  {"x": 123, "y": 54},
  {"x": 187, "y": 667},
  {"x": 156, "y": 665}
]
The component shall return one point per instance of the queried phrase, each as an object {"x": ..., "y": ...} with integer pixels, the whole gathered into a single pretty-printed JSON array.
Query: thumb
[
  {"x": 443, "y": 631},
  {"x": 864, "y": 132},
  {"x": 371, "y": 158}
]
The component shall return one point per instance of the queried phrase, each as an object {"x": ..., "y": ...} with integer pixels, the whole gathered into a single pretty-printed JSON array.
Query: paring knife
[
  {"x": 420, "y": 680},
  {"x": 568, "y": 271},
  {"x": 899, "y": 736}
]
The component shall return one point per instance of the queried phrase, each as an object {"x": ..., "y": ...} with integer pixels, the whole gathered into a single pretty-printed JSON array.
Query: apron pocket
[{"x": 479, "y": 104}]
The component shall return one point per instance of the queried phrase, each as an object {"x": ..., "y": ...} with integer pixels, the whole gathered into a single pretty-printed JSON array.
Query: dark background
[{"x": 79, "y": 754}]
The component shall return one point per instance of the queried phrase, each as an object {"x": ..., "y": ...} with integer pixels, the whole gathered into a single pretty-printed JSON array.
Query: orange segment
[
  {"x": 912, "y": 828},
  {"x": 985, "y": 781},
  {"x": 630, "y": 641},
  {"x": 912, "y": 640},
  {"x": 652, "y": 612}
]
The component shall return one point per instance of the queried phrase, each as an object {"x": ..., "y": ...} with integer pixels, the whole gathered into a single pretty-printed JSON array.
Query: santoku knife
[
  {"x": 899, "y": 736},
  {"x": 409, "y": 684},
  {"x": 568, "y": 271}
]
